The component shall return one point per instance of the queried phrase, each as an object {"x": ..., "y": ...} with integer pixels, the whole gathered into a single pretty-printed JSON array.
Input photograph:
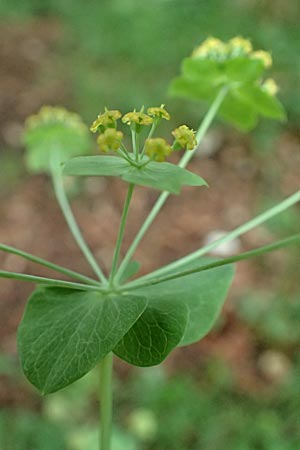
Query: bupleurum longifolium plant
[{"x": 70, "y": 327}]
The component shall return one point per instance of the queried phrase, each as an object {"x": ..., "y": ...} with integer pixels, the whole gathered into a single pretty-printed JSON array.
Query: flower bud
[
  {"x": 157, "y": 149},
  {"x": 184, "y": 138},
  {"x": 110, "y": 140}
]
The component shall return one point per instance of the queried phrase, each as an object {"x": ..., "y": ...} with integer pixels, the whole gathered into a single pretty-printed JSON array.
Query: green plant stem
[
  {"x": 106, "y": 369},
  {"x": 151, "y": 132},
  {"x": 134, "y": 144},
  {"x": 242, "y": 229},
  {"x": 222, "y": 262},
  {"x": 121, "y": 233},
  {"x": 164, "y": 195},
  {"x": 70, "y": 219},
  {"x": 50, "y": 281},
  {"x": 43, "y": 262}
]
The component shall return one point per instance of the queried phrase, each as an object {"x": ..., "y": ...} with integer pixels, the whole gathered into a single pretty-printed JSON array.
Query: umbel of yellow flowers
[
  {"x": 213, "y": 48},
  {"x": 157, "y": 149}
]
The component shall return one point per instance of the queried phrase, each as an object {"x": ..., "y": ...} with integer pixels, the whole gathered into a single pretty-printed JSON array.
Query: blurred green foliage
[{"x": 155, "y": 411}]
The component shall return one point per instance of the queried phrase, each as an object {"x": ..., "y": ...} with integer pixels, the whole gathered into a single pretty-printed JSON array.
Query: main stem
[
  {"x": 105, "y": 391},
  {"x": 70, "y": 219},
  {"x": 163, "y": 197},
  {"x": 121, "y": 233}
]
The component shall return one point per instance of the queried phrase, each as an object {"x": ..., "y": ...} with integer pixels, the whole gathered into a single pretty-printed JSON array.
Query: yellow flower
[
  {"x": 185, "y": 137},
  {"x": 270, "y": 86},
  {"x": 51, "y": 115},
  {"x": 157, "y": 149},
  {"x": 159, "y": 111},
  {"x": 106, "y": 120},
  {"x": 110, "y": 140},
  {"x": 138, "y": 118},
  {"x": 239, "y": 45},
  {"x": 210, "y": 47},
  {"x": 265, "y": 57}
]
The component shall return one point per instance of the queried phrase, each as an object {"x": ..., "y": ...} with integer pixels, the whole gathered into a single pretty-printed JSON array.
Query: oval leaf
[
  {"x": 203, "y": 293},
  {"x": 154, "y": 335},
  {"x": 64, "y": 333},
  {"x": 163, "y": 176}
]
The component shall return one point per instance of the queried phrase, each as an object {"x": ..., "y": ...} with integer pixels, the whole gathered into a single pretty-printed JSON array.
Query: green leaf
[
  {"x": 163, "y": 176},
  {"x": 204, "y": 70},
  {"x": 179, "y": 312},
  {"x": 64, "y": 333},
  {"x": 243, "y": 69},
  {"x": 238, "y": 113},
  {"x": 254, "y": 96},
  {"x": 154, "y": 335},
  {"x": 95, "y": 166},
  {"x": 203, "y": 293},
  {"x": 131, "y": 269},
  {"x": 192, "y": 89}
]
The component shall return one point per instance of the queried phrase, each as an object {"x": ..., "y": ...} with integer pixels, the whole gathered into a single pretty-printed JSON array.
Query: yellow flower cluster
[
  {"x": 138, "y": 118},
  {"x": 157, "y": 149},
  {"x": 184, "y": 138},
  {"x": 106, "y": 120},
  {"x": 110, "y": 140},
  {"x": 55, "y": 115},
  {"x": 159, "y": 112},
  {"x": 270, "y": 86},
  {"x": 215, "y": 49}
]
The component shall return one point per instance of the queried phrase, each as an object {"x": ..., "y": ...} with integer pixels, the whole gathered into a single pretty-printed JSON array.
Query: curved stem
[
  {"x": 221, "y": 262},
  {"x": 43, "y": 262},
  {"x": 163, "y": 197},
  {"x": 121, "y": 233},
  {"x": 105, "y": 391},
  {"x": 242, "y": 229},
  {"x": 70, "y": 219},
  {"x": 49, "y": 281}
]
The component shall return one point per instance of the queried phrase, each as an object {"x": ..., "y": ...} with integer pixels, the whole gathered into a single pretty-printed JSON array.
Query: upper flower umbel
[{"x": 155, "y": 149}]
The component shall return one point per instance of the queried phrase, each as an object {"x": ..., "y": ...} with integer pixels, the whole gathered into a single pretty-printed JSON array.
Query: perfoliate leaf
[
  {"x": 238, "y": 112},
  {"x": 64, "y": 333},
  {"x": 254, "y": 96},
  {"x": 247, "y": 97},
  {"x": 179, "y": 312},
  {"x": 163, "y": 176},
  {"x": 154, "y": 335}
]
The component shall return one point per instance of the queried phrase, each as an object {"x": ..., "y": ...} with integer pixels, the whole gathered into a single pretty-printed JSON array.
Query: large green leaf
[
  {"x": 238, "y": 112},
  {"x": 179, "y": 312},
  {"x": 154, "y": 335},
  {"x": 163, "y": 176},
  {"x": 241, "y": 70},
  {"x": 64, "y": 333},
  {"x": 192, "y": 89},
  {"x": 204, "y": 70}
]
